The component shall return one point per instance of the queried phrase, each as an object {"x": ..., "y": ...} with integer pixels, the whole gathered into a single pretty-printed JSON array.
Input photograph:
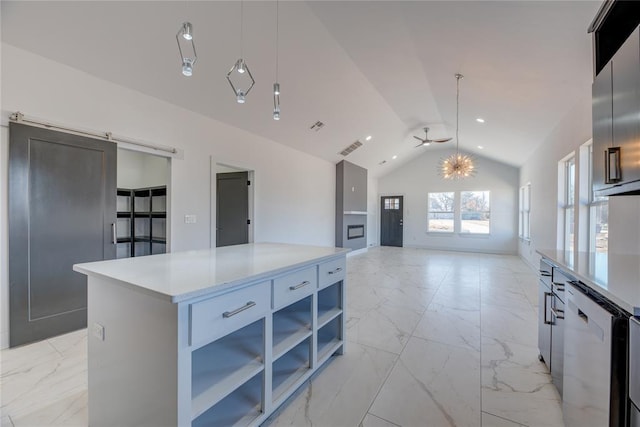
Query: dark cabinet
[
  {"x": 616, "y": 122},
  {"x": 602, "y": 110}
]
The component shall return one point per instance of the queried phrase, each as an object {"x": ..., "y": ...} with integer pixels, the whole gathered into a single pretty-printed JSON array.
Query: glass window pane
[
  {"x": 440, "y": 217},
  {"x": 475, "y": 211},
  {"x": 440, "y": 222},
  {"x": 386, "y": 203}
]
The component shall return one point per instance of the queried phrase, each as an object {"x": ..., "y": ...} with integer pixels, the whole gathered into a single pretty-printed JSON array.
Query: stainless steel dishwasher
[
  {"x": 634, "y": 371},
  {"x": 595, "y": 360}
]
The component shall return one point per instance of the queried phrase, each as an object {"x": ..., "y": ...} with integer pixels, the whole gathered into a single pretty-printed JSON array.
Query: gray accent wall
[{"x": 351, "y": 204}]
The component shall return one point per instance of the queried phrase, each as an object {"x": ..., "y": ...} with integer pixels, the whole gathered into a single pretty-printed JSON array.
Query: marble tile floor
[{"x": 433, "y": 339}]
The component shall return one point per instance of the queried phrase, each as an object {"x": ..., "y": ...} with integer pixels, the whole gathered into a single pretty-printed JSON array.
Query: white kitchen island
[{"x": 215, "y": 337}]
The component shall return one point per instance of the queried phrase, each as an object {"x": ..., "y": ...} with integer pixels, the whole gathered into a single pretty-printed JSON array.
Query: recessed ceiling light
[
  {"x": 368, "y": 138},
  {"x": 480, "y": 120},
  {"x": 480, "y": 147},
  {"x": 394, "y": 157}
]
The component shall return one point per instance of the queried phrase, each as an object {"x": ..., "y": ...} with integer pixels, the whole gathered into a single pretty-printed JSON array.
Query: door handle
[
  {"x": 114, "y": 237},
  {"x": 546, "y": 294}
]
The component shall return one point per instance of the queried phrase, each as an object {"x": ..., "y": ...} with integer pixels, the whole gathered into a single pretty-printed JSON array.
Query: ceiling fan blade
[
  {"x": 420, "y": 145},
  {"x": 442, "y": 140},
  {"x": 419, "y": 139}
]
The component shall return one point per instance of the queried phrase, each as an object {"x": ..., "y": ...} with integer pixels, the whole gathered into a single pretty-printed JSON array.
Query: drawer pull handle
[
  {"x": 337, "y": 270},
  {"x": 558, "y": 314},
  {"x": 247, "y": 306},
  {"x": 300, "y": 285}
]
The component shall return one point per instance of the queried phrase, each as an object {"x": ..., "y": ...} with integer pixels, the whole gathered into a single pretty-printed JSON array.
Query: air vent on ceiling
[
  {"x": 317, "y": 126},
  {"x": 350, "y": 149}
]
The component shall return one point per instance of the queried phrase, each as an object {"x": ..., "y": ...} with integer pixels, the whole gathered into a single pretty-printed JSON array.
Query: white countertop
[
  {"x": 620, "y": 284},
  {"x": 182, "y": 275}
]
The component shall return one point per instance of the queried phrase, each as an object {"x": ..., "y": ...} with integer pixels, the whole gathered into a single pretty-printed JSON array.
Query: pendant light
[
  {"x": 240, "y": 68},
  {"x": 188, "y": 55},
  {"x": 457, "y": 166},
  {"x": 276, "y": 85}
]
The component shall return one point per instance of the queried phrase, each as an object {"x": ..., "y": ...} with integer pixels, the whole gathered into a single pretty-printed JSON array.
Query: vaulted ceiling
[{"x": 379, "y": 68}]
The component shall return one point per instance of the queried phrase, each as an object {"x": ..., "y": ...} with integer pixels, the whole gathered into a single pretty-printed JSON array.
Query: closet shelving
[{"x": 142, "y": 221}]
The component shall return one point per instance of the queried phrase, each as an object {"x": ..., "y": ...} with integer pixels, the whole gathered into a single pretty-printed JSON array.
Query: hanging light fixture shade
[
  {"x": 457, "y": 166},
  {"x": 239, "y": 76},
  {"x": 187, "y": 31},
  {"x": 276, "y": 85},
  {"x": 186, "y": 48}
]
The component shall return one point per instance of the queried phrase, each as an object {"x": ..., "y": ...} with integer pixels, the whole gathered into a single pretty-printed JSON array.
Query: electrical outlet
[
  {"x": 189, "y": 219},
  {"x": 98, "y": 331}
]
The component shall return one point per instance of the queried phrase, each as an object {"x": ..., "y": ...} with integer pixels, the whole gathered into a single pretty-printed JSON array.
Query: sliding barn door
[{"x": 62, "y": 197}]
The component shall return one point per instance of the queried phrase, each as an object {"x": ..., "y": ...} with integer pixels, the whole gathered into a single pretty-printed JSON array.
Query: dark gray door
[
  {"x": 391, "y": 221},
  {"x": 232, "y": 208},
  {"x": 62, "y": 207}
]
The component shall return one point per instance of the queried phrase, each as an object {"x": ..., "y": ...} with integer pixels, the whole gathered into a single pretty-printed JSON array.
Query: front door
[
  {"x": 62, "y": 210},
  {"x": 232, "y": 208},
  {"x": 391, "y": 221}
]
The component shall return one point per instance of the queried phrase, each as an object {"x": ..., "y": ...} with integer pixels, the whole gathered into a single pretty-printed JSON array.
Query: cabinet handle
[
  {"x": 300, "y": 285},
  {"x": 558, "y": 314},
  {"x": 583, "y": 316},
  {"x": 337, "y": 270},
  {"x": 546, "y": 294},
  {"x": 114, "y": 238},
  {"x": 247, "y": 306}
]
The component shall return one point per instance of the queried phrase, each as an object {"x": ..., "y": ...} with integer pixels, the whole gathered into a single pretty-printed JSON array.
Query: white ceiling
[{"x": 376, "y": 68}]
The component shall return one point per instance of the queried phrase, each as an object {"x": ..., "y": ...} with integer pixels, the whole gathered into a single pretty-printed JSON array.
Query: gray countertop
[{"x": 618, "y": 280}]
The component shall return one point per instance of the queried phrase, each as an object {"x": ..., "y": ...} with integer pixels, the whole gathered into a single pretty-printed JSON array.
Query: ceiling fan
[{"x": 426, "y": 141}]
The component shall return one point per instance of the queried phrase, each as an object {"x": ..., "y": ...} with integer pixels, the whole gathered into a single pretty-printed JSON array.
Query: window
[
  {"x": 568, "y": 207},
  {"x": 524, "y": 230},
  {"x": 598, "y": 228},
  {"x": 392, "y": 204},
  {"x": 440, "y": 213},
  {"x": 474, "y": 212}
]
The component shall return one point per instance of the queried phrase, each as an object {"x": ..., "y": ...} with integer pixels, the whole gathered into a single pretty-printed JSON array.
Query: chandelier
[{"x": 457, "y": 166}]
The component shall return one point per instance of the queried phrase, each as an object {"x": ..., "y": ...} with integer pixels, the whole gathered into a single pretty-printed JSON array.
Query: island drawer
[
  {"x": 332, "y": 272},
  {"x": 294, "y": 286},
  {"x": 215, "y": 317}
]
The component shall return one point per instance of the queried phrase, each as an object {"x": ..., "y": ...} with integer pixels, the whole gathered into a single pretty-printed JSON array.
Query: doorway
[
  {"x": 391, "y": 219},
  {"x": 143, "y": 201},
  {"x": 233, "y": 207}
]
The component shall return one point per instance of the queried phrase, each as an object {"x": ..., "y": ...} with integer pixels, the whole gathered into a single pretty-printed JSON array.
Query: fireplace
[{"x": 355, "y": 231}]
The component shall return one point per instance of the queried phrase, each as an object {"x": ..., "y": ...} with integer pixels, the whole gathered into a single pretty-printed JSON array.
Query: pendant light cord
[
  {"x": 457, "y": 111},
  {"x": 277, "y": 35},
  {"x": 242, "y": 29}
]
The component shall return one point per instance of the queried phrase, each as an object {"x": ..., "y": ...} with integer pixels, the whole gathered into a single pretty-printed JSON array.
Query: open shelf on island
[
  {"x": 291, "y": 325},
  {"x": 291, "y": 367},
  {"x": 329, "y": 338},
  {"x": 329, "y": 303},
  {"x": 223, "y": 365},
  {"x": 239, "y": 408}
]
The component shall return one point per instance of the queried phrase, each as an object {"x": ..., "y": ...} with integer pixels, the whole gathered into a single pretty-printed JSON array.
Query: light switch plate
[
  {"x": 189, "y": 219},
  {"x": 98, "y": 331}
]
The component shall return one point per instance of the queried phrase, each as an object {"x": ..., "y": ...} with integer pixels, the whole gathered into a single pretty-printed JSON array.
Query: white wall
[
  {"x": 373, "y": 212},
  {"x": 420, "y": 176},
  {"x": 299, "y": 210},
  {"x": 140, "y": 170},
  {"x": 541, "y": 170}
]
